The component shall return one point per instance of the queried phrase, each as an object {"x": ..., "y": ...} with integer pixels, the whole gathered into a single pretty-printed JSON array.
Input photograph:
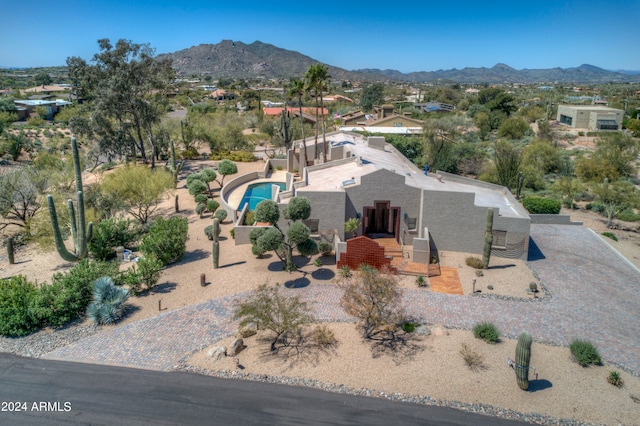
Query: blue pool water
[{"x": 257, "y": 192}]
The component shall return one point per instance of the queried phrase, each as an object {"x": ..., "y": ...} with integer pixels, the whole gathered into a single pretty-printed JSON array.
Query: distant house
[
  {"x": 384, "y": 120},
  {"x": 435, "y": 107},
  {"x": 337, "y": 98},
  {"x": 221, "y": 95},
  {"x": 46, "y": 89},
  {"x": 591, "y": 117},
  {"x": 27, "y": 107},
  {"x": 308, "y": 114}
]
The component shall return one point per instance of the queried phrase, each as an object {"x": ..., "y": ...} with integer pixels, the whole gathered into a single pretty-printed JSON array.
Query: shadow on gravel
[
  {"x": 164, "y": 288},
  {"x": 323, "y": 274},
  {"x": 297, "y": 283},
  {"x": 538, "y": 385},
  {"x": 534, "y": 251}
]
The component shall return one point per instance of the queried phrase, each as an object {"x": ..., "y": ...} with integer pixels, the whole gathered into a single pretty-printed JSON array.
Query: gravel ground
[{"x": 37, "y": 344}]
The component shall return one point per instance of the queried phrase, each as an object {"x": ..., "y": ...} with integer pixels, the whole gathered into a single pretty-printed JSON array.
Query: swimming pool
[{"x": 257, "y": 192}]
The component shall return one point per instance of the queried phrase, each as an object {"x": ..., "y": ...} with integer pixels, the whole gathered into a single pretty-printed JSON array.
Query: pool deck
[{"x": 235, "y": 196}]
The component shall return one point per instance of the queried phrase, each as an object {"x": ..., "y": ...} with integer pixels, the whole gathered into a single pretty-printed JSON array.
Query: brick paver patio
[{"x": 594, "y": 295}]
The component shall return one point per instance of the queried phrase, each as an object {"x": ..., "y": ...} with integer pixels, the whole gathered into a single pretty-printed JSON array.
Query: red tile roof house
[
  {"x": 369, "y": 179},
  {"x": 308, "y": 114}
]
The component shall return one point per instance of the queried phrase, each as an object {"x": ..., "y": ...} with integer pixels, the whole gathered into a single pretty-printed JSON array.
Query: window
[
  {"x": 607, "y": 125},
  {"x": 412, "y": 223},
  {"x": 499, "y": 239},
  {"x": 313, "y": 225},
  {"x": 566, "y": 120}
]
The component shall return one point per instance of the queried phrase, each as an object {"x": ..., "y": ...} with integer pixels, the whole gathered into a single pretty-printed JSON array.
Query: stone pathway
[{"x": 594, "y": 296}]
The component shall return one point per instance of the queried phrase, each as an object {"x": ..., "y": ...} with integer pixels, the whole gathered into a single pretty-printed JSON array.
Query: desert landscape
[{"x": 426, "y": 368}]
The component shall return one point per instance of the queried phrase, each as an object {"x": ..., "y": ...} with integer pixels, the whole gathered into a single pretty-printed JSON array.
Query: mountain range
[{"x": 262, "y": 60}]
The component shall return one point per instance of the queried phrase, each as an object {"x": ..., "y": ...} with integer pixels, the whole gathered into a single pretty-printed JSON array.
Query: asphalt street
[{"x": 42, "y": 392}]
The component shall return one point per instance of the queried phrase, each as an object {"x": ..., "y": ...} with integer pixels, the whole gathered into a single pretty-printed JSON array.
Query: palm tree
[
  {"x": 310, "y": 79},
  {"x": 317, "y": 77},
  {"x": 297, "y": 88},
  {"x": 323, "y": 79}
]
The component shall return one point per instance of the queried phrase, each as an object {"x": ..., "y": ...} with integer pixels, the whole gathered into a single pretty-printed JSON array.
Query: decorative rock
[
  {"x": 217, "y": 353},
  {"x": 248, "y": 331},
  {"x": 439, "y": 330},
  {"x": 236, "y": 347},
  {"x": 423, "y": 330}
]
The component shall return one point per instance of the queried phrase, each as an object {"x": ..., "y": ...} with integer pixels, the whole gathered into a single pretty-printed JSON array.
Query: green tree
[
  {"x": 613, "y": 158},
  {"x": 372, "y": 95},
  {"x": 269, "y": 309},
  {"x": 317, "y": 78},
  {"x": 21, "y": 193},
  {"x": 374, "y": 299},
  {"x": 139, "y": 187},
  {"x": 125, "y": 90},
  {"x": 513, "y": 128},
  {"x": 616, "y": 196},
  {"x": 568, "y": 187},
  {"x": 507, "y": 159},
  {"x": 42, "y": 78},
  {"x": 226, "y": 168},
  {"x": 297, "y": 235}
]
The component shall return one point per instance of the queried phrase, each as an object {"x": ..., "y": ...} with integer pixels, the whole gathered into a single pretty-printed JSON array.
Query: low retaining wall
[{"x": 552, "y": 219}]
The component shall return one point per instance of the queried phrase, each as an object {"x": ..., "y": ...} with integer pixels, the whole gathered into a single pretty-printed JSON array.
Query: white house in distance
[{"x": 591, "y": 117}]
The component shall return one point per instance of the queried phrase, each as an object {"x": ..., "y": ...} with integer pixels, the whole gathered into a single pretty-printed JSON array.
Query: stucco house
[{"x": 368, "y": 179}]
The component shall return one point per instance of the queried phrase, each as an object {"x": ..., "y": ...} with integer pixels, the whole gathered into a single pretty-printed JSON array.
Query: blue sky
[{"x": 425, "y": 36}]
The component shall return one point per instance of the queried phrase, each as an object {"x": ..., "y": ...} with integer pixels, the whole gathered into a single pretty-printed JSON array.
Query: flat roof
[
  {"x": 341, "y": 175},
  {"x": 591, "y": 107}
]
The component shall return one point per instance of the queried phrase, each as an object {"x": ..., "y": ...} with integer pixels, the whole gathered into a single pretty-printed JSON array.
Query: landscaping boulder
[
  {"x": 236, "y": 347},
  {"x": 217, "y": 353},
  {"x": 439, "y": 330},
  {"x": 248, "y": 331}
]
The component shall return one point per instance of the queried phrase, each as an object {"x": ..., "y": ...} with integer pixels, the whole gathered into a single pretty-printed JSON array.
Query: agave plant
[{"x": 108, "y": 301}]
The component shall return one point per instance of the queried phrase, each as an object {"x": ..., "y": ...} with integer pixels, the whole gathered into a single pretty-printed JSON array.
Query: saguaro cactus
[
  {"x": 174, "y": 167},
  {"x": 523, "y": 356},
  {"x": 10, "y": 252},
  {"x": 488, "y": 240},
  {"x": 215, "y": 249},
  {"x": 81, "y": 233}
]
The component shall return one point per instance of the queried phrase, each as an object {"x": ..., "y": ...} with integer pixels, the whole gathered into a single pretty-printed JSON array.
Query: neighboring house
[
  {"x": 308, "y": 114},
  {"x": 46, "y": 89},
  {"x": 221, "y": 95},
  {"x": 435, "y": 106},
  {"x": 367, "y": 178},
  {"x": 591, "y": 117},
  {"x": 337, "y": 98},
  {"x": 27, "y": 107},
  {"x": 383, "y": 121}
]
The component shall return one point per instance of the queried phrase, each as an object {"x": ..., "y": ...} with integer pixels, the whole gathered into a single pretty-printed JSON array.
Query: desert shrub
[
  {"x": 487, "y": 332},
  {"x": 474, "y": 360},
  {"x": 221, "y": 215},
  {"x": 584, "y": 353},
  {"x": 196, "y": 187},
  {"x": 323, "y": 336},
  {"x": 610, "y": 235},
  {"x": 257, "y": 251},
  {"x": 18, "y": 307},
  {"x": 143, "y": 275},
  {"x": 421, "y": 281},
  {"x": 193, "y": 176},
  {"x": 239, "y": 156},
  {"x": 212, "y": 205},
  {"x": 249, "y": 218},
  {"x": 209, "y": 232},
  {"x": 271, "y": 310},
  {"x": 67, "y": 297},
  {"x": 596, "y": 207},
  {"x": 190, "y": 154},
  {"x": 408, "y": 327},
  {"x": 108, "y": 234},
  {"x": 201, "y": 199},
  {"x": 107, "y": 305},
  {"x": 474, "y": 262},
  {"x": 317, "y": 262},
  {"x": 615, "y": 379},
  {"x": 166, "y": 239},
  {"x": 232, "y": 232},
  {"x": 537, "y": 205},
  {"x": 200, "y": 208},
  {"x": 325, "y": 248},
  {"x": 345, "y": 271},
  {"x": 627, "y": 215}
]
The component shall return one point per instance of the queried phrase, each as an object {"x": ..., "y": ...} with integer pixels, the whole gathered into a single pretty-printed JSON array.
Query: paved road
[
  {"x": 101, "y": 395},
  {"x": 594, "y": 295}
]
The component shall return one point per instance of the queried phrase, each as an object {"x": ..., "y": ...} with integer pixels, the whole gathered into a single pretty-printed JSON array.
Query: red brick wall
[{"x": 364, "y": 250}]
